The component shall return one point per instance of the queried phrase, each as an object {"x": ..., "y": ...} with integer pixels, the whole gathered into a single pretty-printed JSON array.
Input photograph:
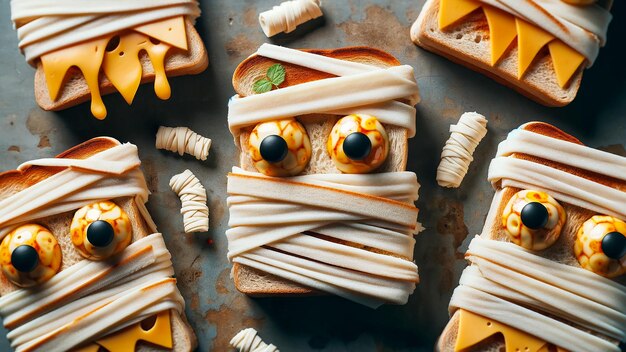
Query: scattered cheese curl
[
  {"x": 183, "y": 140},
  {"x": 288, "y": 15},
  {"x": 193, "y": 198},
  {"x": 457, "y": 153},
  {"x": 248, "y": 340}
]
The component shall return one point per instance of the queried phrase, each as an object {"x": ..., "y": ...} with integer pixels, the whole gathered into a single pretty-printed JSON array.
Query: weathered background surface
[{"x": 231, "y": 32}]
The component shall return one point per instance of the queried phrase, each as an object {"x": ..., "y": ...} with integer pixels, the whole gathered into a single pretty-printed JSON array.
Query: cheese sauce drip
[
  {"x": 102, "y": 39},
  {"x": 183, "y": 140},
  {"x": 288, "y": 15},
  {"x": 193, "y": 198}
]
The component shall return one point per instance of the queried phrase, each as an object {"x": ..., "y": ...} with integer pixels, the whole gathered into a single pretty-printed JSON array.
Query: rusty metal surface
[{"x": 231, "y": 32}]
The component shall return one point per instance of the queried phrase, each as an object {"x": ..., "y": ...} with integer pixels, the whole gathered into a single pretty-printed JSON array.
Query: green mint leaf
[
  {"x": 262, "y": 86},
  {"x": 276, "y": 74}
]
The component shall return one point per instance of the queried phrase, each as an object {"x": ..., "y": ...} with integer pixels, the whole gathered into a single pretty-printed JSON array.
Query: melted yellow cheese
[
  {"x": 504, "y": 28},
  {"x": 474, "y": 328},
  {"x": 121, "y": 64},
  {"x": 125, "y": 340}
]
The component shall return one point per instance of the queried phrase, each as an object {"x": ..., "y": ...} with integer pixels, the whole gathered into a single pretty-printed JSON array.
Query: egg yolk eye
[
  {"x": 279, "y": 148},
  {"x": 100, "y": 230},
  {"x": 533, "y": 219},
  {"x": 30, "y": 255},
  {"x": 358, "y": 144},
  {"x": 600, "y": 246}
]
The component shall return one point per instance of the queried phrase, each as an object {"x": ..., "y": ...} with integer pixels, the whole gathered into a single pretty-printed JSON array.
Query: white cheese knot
[
  {"x": 193, "y": 198},
  {"x": 248, "y": 340},
  {"x": 457, "y": 153},
  {"x": 288, "y": 15},
  {"x": 183, "y": 140}
]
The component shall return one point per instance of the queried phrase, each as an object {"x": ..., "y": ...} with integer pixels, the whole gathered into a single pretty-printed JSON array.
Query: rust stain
[
  {"x": 250, "y": 17},
  {"x": 190, "y": 276},
  {"x": 218, "y": 209},
  {"x": 151, "y": 173},
  {"x": 452, "y": 222},
  {"x": 38, "y": 124},
  {"x": 240, "y": 47},
  {"x": 451, "y": 109},
  {"x": 14, "y": 148},
  {"x": 223, "y": 281},
  {"x": 228, "y": 320},
  {"x": 388, "y": 33},
  {"x": 195, "y": 301}
]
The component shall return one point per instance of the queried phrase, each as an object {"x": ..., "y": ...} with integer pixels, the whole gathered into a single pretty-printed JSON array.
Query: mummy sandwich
[
  {"x": 82, "y": 52},
  {"x": 547, "y": 272},
  {"x": 537, "y": 47},
  {"x": 83, "y": 267},
  {"x": 321, "y": 201}
]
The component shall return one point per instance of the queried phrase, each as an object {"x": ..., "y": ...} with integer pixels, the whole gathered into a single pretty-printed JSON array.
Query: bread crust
[
  {"x": 14, "y": 181},
  {"x": 425, "y": 33},
  {"x": 254, "y": 282},
  {"x": 75, "y": 90},
  {"x": 494, "y": 231}
]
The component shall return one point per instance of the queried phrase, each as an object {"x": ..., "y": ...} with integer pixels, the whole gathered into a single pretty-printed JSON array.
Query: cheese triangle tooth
[
  {"x": 451, "y": 11},
  {"x": 474, "y": 329},
  {"x": 171, "y": 31},
  {"x": 125, "y": 340},
  {"x": 530, "y": 40},
  {"x": 565, "y": 61},
  {"x": 502, "y": 32}
]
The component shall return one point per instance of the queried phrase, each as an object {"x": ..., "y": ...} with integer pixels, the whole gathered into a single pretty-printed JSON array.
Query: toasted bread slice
[
  {"x": 467, "y": 43},
  {"x": 561, "y": 251},
  {"x": 14, "y": 181},
  {"x": 75, "y": 90},
  {"x": 257, "y": 283}
]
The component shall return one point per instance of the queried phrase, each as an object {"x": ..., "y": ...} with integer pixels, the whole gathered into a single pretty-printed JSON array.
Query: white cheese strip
[
  {"x": 43, "y": 27},
  {"x": 82, "y": 182},
  {"x": 581, "y": 27},
  {"x": 193, "y": 199},
  {"x": 248, "y": 340},
  {"x": 183, "y": 140},
  {"x": 564, "y": 152},
  {"x": 529, "y": 321},
  {"x": 359, "y": 88},
  {"x": 288, "y": 15}
]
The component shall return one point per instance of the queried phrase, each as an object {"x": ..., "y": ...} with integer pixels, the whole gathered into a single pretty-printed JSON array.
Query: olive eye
[
  {"x": 600, "y": 246},
  {"x": 100, "y": 230},
  {"x": 279, "y": 148},
  {"x": 30, "y": 255},
  {"x": 533, "y": 219},
  {"x": 358, "y": 144}
]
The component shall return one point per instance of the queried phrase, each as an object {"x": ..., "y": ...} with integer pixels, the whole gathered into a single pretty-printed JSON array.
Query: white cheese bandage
[
  {"x": 457, "y": 153},
  {"x": 193, "y": 198},
  {"x": 288, "y": 15},
  {"x": 89, "y": 299},
  {"x": 44, "y": 26},
  {"x": 505, "y": 280},
  {"x": 583, "y": 28},
  {"x": 183, "y": 140},
  {"x": 248, "y": 340},
  {"x": 346, "y": 234}
]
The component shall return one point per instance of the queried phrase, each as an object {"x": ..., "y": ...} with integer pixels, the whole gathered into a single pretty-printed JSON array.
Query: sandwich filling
[
  {"x": 91, "y": 299},
  {"x": 573, "y": 34},
  {"x": 531, "y": 300},
  {"x": 346, "y": 234},
  {"x": 103, "y": 38}
]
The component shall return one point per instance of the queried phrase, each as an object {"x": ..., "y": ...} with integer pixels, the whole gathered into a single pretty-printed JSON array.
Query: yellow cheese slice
[
  {"x": 474, "y": 328},
  {"x": 565, "y": 60},
  {"x": 171, "y": 31},
  {"x": 451, "y": 11},
  {"x": 502, "y": 32},
  {"x": 88, "y": 58},
  {"x": 530, "y": 40},
  {"x": 125, "y": 340}
]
